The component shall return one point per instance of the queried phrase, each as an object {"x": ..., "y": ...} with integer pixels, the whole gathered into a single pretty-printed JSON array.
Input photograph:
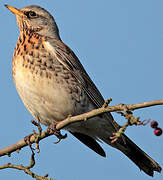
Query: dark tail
[{"x": 140, "y": 158}]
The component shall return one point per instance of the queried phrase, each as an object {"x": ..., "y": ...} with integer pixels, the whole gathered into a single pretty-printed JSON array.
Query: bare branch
[
  {"x": 26, "y": 170},
  {"x": 118, "y": 108}
]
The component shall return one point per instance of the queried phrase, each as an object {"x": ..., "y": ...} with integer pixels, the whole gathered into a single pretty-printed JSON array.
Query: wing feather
[{"x": 71, "y": 62}]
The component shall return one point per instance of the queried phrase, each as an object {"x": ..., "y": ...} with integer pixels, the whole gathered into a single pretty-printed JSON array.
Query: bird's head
[{"x": 36, "y": 19}]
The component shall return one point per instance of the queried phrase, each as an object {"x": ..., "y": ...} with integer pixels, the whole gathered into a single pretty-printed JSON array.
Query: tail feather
[
  {"x": 90, "y": 142},
  {"x": 139, "y": 157}
]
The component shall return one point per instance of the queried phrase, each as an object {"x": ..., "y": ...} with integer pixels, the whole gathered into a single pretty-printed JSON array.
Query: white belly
[{"x": 45, "y": 98}]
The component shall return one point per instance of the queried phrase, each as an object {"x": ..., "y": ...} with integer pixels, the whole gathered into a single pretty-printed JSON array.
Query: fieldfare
[{"x": 53, "y": 84}]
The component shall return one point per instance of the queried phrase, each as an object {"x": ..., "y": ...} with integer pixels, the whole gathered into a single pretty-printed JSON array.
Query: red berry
[
  {"x": 154, "y": 124},
  {"x": 158, "y": 131}
]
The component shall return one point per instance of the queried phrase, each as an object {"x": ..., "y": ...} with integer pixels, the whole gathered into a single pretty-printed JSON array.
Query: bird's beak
[{"x": 14, "y": 10}]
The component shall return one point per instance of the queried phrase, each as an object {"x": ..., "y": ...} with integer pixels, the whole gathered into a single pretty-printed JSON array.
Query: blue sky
[{"x": 120, "y": 44}]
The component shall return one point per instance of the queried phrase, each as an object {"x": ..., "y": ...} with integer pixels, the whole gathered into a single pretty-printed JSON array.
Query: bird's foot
[
  {"x": 115, "y": 137},
  {"x": 56, "y": 132}
]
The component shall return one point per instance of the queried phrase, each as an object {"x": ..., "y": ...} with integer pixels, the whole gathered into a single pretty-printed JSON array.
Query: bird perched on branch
[{"x": 53, "y": 84}]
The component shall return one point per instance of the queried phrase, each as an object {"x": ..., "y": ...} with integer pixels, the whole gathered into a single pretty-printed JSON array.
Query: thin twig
[{"x": 26, "y": 170}]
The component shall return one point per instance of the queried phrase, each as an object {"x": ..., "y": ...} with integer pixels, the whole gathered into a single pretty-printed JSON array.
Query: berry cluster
[{"x": 157, "y": 131}]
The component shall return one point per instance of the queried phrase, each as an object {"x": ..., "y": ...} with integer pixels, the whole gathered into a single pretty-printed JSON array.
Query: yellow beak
[{"x": 14, "y": 10}]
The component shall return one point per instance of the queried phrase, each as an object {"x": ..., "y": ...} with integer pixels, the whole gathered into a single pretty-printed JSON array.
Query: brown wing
[
  {"x": 70, "y": 61},
  {"x": 67, "y": 57}
]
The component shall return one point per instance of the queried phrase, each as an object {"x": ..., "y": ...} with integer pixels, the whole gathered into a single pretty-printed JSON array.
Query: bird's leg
[{"x": 56, "y": 132}]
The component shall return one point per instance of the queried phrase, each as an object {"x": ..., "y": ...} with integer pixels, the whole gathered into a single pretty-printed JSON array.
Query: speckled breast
[{"x": 48, "y": 90}]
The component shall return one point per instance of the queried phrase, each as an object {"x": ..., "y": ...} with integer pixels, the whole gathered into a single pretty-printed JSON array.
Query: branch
[
  {"x": 26, "y": 170},
  {"x": 118, "y": 108}
]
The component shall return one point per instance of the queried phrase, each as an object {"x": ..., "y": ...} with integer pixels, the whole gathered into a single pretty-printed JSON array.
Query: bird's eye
[{"x": 30, "y": 14}]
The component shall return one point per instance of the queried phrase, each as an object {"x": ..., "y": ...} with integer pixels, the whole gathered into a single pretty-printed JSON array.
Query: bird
[{"x": 53, "y": 84}]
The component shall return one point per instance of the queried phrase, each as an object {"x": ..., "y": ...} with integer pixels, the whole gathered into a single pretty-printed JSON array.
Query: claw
[
  {"x": 60, "y": 137},
  {"x": 56, "y": 132},
  {"x": 115, "y": 137}
]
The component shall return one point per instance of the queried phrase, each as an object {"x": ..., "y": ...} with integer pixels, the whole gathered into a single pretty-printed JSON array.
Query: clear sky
[{"x": 120, "y": 43}]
